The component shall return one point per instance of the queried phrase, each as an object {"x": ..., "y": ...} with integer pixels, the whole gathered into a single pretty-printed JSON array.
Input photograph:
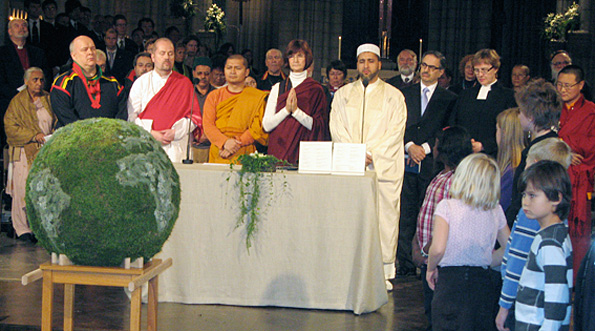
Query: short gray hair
[{"x": 31, "y": 70}]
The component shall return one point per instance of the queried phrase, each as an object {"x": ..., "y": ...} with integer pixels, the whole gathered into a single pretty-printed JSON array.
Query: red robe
[
  {"x": 172, "y": 103},
  {"x": 577, "y": 129},
  {"x": 284, "y": 140}
]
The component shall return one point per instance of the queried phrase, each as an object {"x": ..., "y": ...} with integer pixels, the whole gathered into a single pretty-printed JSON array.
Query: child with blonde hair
[
  {"x": 522, "y": 234},
  {"x": 511, "y": 141},
  {"x": 465, "y": 229}
]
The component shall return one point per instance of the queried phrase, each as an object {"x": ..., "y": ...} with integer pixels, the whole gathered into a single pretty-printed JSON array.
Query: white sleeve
[
  {"x": 270, "y": 120},
  {"x": 134, "y": 103},
  {"x": 181, "y": 128},
  {"x": 304, "y": 119}
]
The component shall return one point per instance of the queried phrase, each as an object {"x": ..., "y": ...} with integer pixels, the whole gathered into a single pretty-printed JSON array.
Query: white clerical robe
[
  {"x": 383, "y": 129},
  {"x": 142, "y": 91}
]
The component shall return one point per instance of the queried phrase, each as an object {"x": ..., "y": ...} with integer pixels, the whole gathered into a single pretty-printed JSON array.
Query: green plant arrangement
[
  {"x": 557, "y": 26},
  {"x": 251, "y": 176},
  {"x": 215, "y": 21},
  {"x": 186, "y": 9},
  {"x": 102, "y": 190}
]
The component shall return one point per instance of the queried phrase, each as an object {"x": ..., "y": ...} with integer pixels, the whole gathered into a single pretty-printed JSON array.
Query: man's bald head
[{"x": 82, "y": 51}]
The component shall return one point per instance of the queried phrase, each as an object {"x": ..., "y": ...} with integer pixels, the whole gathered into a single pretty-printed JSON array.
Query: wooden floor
[{"x": 105, "y": 308}]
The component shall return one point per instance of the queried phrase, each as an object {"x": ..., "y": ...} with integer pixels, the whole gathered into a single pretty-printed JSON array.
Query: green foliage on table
[
  {"x": 101, "y": 190},
  {"x": 249, "y": 188}
]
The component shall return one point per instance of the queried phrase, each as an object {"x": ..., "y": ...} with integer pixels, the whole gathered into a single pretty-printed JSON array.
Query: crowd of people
[{"x": 483, "y": 185}]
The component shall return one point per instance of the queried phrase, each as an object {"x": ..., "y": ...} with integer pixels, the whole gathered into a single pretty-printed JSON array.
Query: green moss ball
[{"x": 101, "y": 190}]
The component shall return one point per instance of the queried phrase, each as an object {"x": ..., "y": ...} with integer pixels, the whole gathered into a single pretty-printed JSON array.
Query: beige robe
[{"x": 383, "y": 130}]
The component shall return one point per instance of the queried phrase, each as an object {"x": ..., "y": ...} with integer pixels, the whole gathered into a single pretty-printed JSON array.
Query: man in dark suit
[
  {"x": 119, "y": 62},
  {"x": 17, "y": 56},
  {"x": 407, "y": 62},
  {"x": 121, "y": 25},
  {"x": 41, "y": 33},
  {"x": 477, "y": 107},
  {"x": 428, "y": 110}
]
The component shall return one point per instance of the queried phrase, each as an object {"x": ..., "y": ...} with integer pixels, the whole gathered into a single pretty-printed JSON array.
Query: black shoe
[{"x": 30, "y": 237}]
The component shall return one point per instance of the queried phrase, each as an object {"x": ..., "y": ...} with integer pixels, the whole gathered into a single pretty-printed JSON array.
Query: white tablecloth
[{"x": 317, "y": 244}]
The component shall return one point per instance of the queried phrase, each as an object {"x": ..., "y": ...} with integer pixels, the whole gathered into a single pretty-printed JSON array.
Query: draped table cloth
[{"x": 317, "y": 244}]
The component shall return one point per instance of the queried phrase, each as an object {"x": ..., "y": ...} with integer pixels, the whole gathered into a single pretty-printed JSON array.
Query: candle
[
  {"x": 420, "y": 44},
  {"x": 339, "y": 47}
]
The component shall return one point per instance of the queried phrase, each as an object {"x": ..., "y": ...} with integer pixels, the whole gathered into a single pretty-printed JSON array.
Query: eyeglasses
[
  {"x": 424, "y": 65},
  {"x": 561, "y": 86},
  {"x": 562, "y": 63},
  {"x": 482, "y": 70}
]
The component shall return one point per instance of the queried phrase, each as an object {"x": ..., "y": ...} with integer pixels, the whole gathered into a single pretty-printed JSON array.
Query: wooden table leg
[
  {"x": 47, "y": 301},
  {"x": 68, "y": 306},
  {"x": 135, "y": 305},
  {"x": 152, "y": 304}
]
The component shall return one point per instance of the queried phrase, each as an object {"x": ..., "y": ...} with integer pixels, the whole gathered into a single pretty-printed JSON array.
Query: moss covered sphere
[{"x": 101, "y": 190}]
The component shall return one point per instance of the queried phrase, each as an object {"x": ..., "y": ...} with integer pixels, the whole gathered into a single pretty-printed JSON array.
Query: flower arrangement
[
  {"x": 557, "y": 25},
  {"x": 183, "y": 8},
  {"x": 249, "y": 185},
  {"x": 215, "y": 20}
]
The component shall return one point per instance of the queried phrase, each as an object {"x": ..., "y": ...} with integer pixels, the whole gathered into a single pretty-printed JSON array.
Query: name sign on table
[{"x": 325, "y": 157}]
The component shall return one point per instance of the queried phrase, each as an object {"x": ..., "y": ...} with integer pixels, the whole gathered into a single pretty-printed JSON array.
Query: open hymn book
[{"x": 325, "y": 157}]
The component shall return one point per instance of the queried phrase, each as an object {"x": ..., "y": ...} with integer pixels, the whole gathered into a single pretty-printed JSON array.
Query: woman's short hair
[
  {"x": 29, "y": 71},
  {"x": 477, "y": 182},
  {"x": 551, "y": 178},
  {"x": 512, "y": 139},
  {"x": 488, "y": 56},
  {"x": 454, "y": 144},
  {"x": 297, "y": 45},
  {"x": 337, "y": 65},
  {"x": 540, "y": 102},
  {"x": 553, "y": 149}
]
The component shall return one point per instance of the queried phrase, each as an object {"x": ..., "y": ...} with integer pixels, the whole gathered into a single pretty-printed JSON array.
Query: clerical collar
[{"x": 484, "y": 90}]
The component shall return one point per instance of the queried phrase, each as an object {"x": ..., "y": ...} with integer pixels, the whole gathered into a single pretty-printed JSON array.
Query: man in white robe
[
  {"x": 381, "y": 126},
  {"x": 162, "y": 102}
]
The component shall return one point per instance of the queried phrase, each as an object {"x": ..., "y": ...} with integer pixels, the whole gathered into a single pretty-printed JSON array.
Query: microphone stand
[
  {"x": 188, "y": 160},
  {"x": 365, "y": 82}
]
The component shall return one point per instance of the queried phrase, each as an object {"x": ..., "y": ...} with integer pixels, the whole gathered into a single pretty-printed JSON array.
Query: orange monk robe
[{"x": 234, "y": 115}]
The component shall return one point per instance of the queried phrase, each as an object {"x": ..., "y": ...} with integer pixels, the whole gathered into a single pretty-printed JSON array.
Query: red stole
[
  {"x": 284, "y": 140},
  {"x": 172, "y": 103}
]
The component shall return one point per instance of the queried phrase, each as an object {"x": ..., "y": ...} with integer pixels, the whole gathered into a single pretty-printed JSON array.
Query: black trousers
[
  {"x": 465, "y": 298},
  {"x": 412, "y": 196}
]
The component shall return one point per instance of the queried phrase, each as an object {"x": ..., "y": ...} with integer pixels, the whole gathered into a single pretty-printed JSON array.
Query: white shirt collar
[{"x": 155, "y": 75}]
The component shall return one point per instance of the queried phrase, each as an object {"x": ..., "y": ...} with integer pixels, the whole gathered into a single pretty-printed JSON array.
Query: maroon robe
[
  {"x": 284, "y": 140},
  {"x": 577, "y": 129},
  {"x": 172, "y": 103}
]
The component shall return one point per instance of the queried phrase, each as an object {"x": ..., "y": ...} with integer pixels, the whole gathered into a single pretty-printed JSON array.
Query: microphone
[
  {"x": 188, "y": 160},
  {"x": 365, "y": 82}
]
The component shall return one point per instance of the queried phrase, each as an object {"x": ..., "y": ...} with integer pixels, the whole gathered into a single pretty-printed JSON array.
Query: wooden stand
[{"x": 71, "y": 275}]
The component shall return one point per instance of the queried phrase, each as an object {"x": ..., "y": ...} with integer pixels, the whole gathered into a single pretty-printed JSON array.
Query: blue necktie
[{"x": 424, "y": 100}]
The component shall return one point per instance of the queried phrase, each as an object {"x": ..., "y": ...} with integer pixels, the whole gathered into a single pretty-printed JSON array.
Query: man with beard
[
  {"x": 142, "y": 64},
  {"x": 17, "y": 56},
  {"x": 381, "y": 127},
  {"x": 83, "y": 92},
  {"x": 202, "y": 88},
  {"x": 407, "y": 62},
  {"x": 162, "y": 102}
]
